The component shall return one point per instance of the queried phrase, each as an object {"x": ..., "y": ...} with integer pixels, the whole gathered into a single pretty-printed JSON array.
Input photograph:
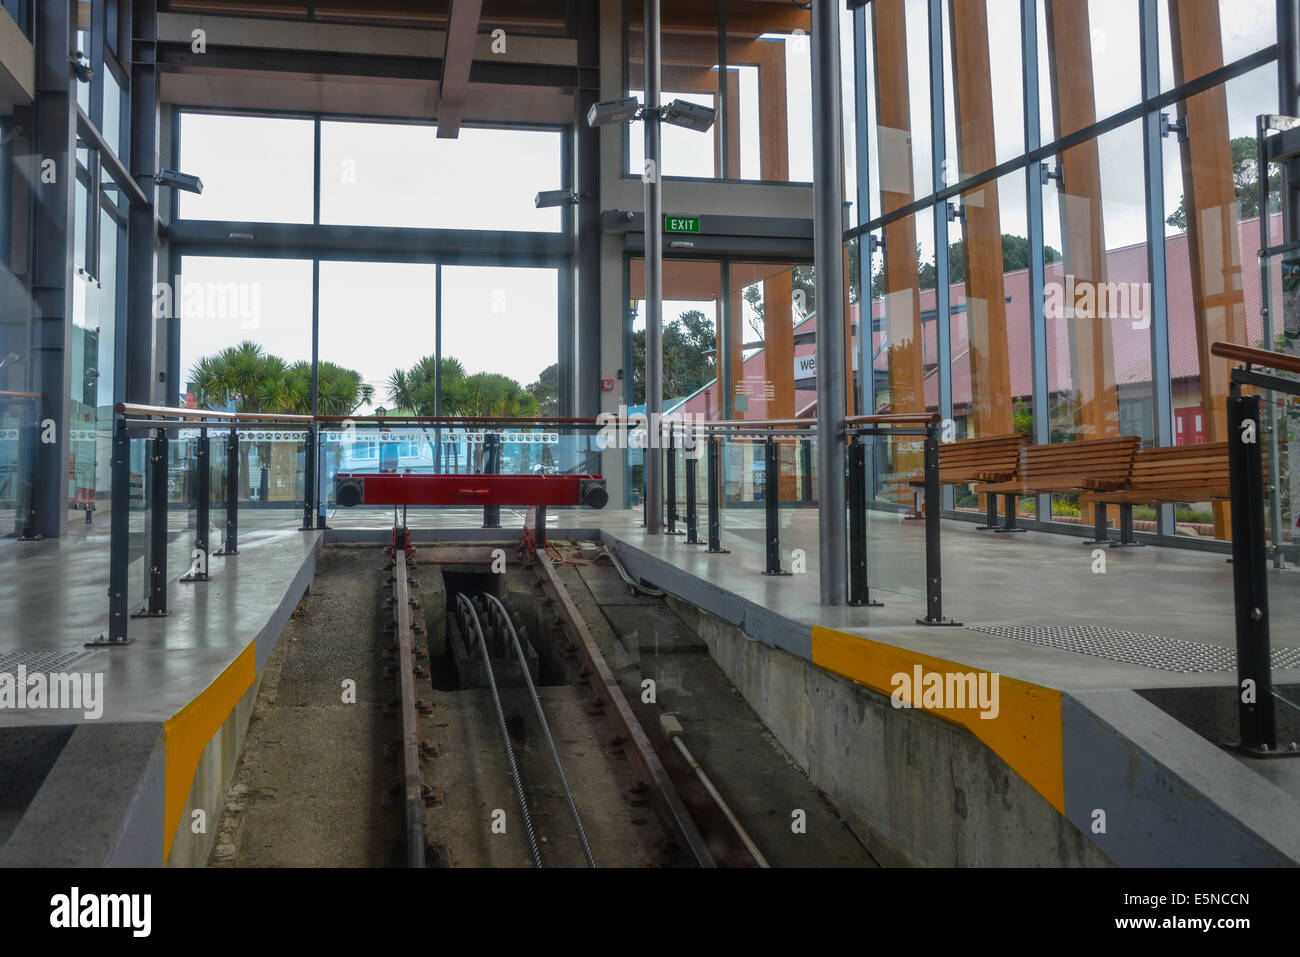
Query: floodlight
[
  {"x": 556, "y": 197},
  {"x": 687, "y": 114},
  {"x": 175, "y": 180},
  {"x": 613, "y": 111}
]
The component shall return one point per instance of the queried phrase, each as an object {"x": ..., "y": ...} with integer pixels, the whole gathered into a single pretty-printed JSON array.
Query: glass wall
[
  {"x": 1078, "y": 224},
  {"x": 751, "y": 63}
]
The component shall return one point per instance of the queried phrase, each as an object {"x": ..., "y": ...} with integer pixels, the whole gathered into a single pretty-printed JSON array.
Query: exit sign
[{"x": 681, "y": 224}]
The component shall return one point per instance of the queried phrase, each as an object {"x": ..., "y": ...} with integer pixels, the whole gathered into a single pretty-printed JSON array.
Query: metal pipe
[
  {"x": 546, "y": 729},
  {"x": 1288, "y": 82},
  {"x": 654, "y": 255},
  {"x": 673, "y": 728},
  {"x": 412, "y": 781},
  {"x": 515, "y": 779},
  {"x": 828, "y": 228}
]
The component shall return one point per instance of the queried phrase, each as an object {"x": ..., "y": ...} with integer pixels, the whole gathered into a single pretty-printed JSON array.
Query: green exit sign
[{"x": 681, "y": 224}]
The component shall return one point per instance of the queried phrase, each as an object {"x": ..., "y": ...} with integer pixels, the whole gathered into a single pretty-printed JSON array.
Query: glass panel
[
  {"x": 484, "y": 179},
  {"x": 364, "y": 372},
  {"x": 1207, "y": 34},
  {"x": 899, "y": 90},
  {"x": 501, "y": 325},
  {"x": 1097, "y": 298},
  {"x": 112, "y": 122},
  {"x": 895, "y": 542},
  {"x": 689, "y": 71},
  {"x": 1212, "y": 238},
  {"x": 1089, "y": 62},
  {"x": 245, "y": 334},
  {"x": 774, "y": 66},
  {"x": 272, "y": 183},
  {"x": 984, "y": 106}
]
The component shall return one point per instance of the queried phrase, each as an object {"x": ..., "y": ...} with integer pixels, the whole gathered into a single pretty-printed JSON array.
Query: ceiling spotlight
[
  {"x": 614, "y": 111},
  {"x": 692, "y": 116},
  {"x": 175, "y": 180},
  {"x": 556, "y": 197}
]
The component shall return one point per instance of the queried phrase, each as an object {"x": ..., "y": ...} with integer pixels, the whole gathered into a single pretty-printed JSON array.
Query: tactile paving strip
[
  {"x": 1150, "y": 651},
  {"x": 44, "y": 660}
]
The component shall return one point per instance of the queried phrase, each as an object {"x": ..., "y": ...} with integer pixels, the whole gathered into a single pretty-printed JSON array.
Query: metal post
[
  {"x": 492, "y": 466},
  {"x": 541, "y": 527},
  {"x": 670, "y": 478},
  {"x": 1288, "y": 83},
  {"x": 859, "y": 589},
  {"x": 156, "y": 605},
  {"x": 119, "y": 557},
  {"x": 199, "y": 570},
  {"x": 715, "y": 519},
  {"x": 692, "y": 518},
  {"x": 933, "y": 571},
  {"x": 654, "y": 256},
  {"x": 309, "y": 478},
  {"x": 1250, "y": 576},
  {"x": 319, "y": 497},
  {"x": 828, "y": 193},
  {"x": 231, "y": 545},
  {"x": 772, "y": 507}
]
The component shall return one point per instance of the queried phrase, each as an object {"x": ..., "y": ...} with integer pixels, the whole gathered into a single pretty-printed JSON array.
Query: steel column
[
  {"x": 156, "y": 605},
  {"x": 828, "y": 257},
  {"x": 231, "y": 545},
  {"x": 715, "y": 517},
  {"x": 492, "y": 466},
  {"x": 933, "y": 556},
  {"x": 1288, "y": 81},
  {"x": 859, "y": 586},
  {"x": 119, "y": 556},
  {"x": 654, "y": 254},
  {"x": 1250, "y": 575},
  {"x": 141, "y": 229},
  {"x": 772, "y": 507},
  {"x": 670, "y": 479},
  {"x": 54, "y": 189},
  {"x": 199, "y": 570},
  {"x": 692, "y": 518}
]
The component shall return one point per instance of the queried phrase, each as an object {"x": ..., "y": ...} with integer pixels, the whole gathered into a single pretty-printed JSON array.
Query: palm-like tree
[{"x": 252, "y": 380}]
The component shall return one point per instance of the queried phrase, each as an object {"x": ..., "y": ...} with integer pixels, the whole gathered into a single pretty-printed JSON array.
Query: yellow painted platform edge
[
  {"x": 1026, "y": 734},
  {"x": 188, "y": 732}
]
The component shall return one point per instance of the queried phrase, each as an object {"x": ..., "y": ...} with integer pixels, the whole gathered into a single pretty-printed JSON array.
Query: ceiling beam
[{"x": 462, "y": 31}]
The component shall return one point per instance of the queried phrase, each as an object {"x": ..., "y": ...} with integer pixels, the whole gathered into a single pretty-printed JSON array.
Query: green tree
[
  {"x": 1015, "y": 255},
  {"x": 252, "y": 380},
  {"x": 686, "y": 366},
  {"x": 546, "y": 390},
  {"x": 1245, "y": 181}
]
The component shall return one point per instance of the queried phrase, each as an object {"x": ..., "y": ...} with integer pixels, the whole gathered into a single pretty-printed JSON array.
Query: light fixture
[
  {"x": 690, "y": 115},
  {"x": 556, "y": 197},
  {"x": 81, "y": 67},
  {"x": 614, "y": 111},
  {"x": 174, "y": 180}
]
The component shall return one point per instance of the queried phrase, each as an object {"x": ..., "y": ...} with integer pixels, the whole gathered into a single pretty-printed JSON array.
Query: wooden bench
[
  {"x": 1088, "y": 464},
  {"x": 963, "y": 461},
  {"x": 1179, "y": 473}
]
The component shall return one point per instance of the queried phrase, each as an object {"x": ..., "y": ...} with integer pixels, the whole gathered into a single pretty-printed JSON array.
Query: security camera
[
  {"x": 81, "y": 66},
  {"x": 613, "y": 111},
  {"x": 175, "y": 180},
  {"x": 692, "y": 116}
]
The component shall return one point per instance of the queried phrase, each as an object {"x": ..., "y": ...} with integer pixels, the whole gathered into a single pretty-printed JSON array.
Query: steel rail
[
  {"x": 413, "y": 784},
  {"x": 546, "y": 730},
  {"x": 642, "y": 755},
  {"x": 533, "y": 849}
]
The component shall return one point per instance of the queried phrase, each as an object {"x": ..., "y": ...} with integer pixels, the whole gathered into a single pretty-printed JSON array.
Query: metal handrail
[
  {"x": 173, "y": 412},
  {"x": 13, "y": 394}
]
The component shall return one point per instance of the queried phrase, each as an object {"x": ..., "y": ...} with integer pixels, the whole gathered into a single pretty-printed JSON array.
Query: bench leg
[
  {"x": 1009, "y": 520},
  {"x": 1126, "y": 529},
  {"x": 1099, "y": 534},
  {"x": 918, "y": 498},
  {"x": 991, "y": 518}
]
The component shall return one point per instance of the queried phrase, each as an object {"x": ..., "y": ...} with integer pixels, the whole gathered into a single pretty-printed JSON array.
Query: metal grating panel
[
  {"x": 1150, "y": 651},
  {"x": 44, "y": 660}
]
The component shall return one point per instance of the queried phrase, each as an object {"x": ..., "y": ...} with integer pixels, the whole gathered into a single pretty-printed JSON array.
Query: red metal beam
[{"x": 409, "y": 488}]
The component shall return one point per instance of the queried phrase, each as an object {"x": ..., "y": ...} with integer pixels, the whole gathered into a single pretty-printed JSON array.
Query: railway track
[{"x": 494, "y": 635}]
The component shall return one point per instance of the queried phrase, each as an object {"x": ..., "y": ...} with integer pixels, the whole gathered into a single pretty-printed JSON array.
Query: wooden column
[
  {"x": 1092, "y": 362},
  {"x": 986, "y": 312},
  {"x": 1210, "y": 199}
]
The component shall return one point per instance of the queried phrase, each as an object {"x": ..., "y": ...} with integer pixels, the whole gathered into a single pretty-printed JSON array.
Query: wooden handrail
[
  {"x": 11, "y": 394},
  {"x": 1256, "y": 357}
]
